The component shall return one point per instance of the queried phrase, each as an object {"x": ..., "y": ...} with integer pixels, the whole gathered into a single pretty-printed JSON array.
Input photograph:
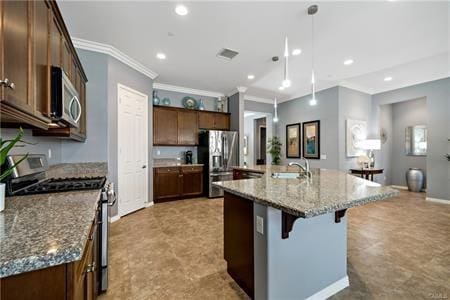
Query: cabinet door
[
  {"x": 16, "y": 54},
  {"x": 66, "y": 59},
  {"x": 165, "y": 126},
  {"x": 205, "y": 120},
  {"x": 187, "y": 128},
  {"x": 192, "y": 181},
  {"x": 166, "y": 183},
  {"x": 41, "y": 58},
  {"x": 222, "y": 121},
  {"x": 55, "y": 42}
]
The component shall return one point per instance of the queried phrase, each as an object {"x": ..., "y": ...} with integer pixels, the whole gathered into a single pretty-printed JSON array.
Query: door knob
[{"x": 144, "y": 166}]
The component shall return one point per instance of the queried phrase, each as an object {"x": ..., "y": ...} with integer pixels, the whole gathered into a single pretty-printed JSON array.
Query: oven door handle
[{"x": 113, "y": 194}]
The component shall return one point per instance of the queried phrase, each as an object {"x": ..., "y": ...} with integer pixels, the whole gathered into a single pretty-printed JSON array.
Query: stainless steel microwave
[{"x": 66, "y": 106}]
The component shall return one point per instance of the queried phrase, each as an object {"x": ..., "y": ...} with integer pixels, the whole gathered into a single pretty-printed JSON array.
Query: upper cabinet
[
  {"x": 178, "y": 126},
  {"x": 33, "y": 38},
  {"x": 213, "y": 120}
]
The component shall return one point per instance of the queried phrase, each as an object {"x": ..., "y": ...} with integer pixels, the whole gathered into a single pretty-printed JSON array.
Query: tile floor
[{"x": 398, "y": 249}]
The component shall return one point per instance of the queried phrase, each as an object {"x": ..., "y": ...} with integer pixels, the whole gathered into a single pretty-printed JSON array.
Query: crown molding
[
  {"x": 238, "y": 89},
  {"x": 258, "y": 99},
  {"x": 113, "y": 52},
  {"x": 181, "y": 89}
]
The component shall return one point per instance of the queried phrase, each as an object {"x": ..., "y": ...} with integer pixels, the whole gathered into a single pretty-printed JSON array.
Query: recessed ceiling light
[
  {"x": 281, "y": 88},
  {"x": 181, "y": 10},
  {"x": 389, "y": 78},
  {"x": 296, "y": 51},
  {"x": 286, "y": 83},
  {"x": 161, "y": 56},
  {"x": 251, "y": 76},
  {"x": 348, "y": 62}
]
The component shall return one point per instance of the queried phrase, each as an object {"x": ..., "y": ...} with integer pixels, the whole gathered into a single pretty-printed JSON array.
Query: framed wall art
[
  {"x": 311, "y": 139},
  {"x": 293, "y": 149},
  {"x": 355, "y": 133}
]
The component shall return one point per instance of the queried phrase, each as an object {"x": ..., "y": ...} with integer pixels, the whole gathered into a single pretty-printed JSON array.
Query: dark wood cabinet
[
  {"x": 62, "y": 54},
  {"x": 206, "y": 120},
  {"x": 187, "y": 128},
  {"x": 23, "y": 33},
  {"x": 222, "y": 121},
  {"x": 171, "y": 183},
  {"x": 33, "y": 38},
  {"x": 73, "y": 281},
  {"x": 165, "y": 126},
  {"x": 167, "y": 183},
  {"x": 174, "y": 126},
  {"x": 213, "y": 120}
]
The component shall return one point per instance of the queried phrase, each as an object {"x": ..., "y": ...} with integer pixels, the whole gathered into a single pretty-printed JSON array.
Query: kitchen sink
[{"x": 286, "y": 175}]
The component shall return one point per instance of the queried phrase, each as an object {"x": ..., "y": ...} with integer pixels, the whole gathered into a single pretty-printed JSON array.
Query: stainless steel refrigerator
[{"x": 218, "y": 152}]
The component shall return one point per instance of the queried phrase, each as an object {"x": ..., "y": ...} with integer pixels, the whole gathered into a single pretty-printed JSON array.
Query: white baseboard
[
  {"x": 330, "y": 290},
  {"x": 443, "y": 201},
  {"x": 148, "y": 204},
  {"x": 399, "y": 187},
  {"x": 114, "y": 219}
]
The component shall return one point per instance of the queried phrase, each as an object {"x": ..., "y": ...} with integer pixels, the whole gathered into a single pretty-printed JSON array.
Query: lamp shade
[{"x": 370, "y": 144}]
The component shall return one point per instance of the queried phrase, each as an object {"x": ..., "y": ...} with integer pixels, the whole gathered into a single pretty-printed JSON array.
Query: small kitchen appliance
[
  {"x": 66, "y": 105},
  {"x": 188, "y": 157}
]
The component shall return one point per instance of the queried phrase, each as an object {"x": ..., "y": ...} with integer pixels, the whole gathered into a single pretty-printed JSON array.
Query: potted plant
[
  {"x": 5, "y": 147},
  {"x": 274, "y": 148}
]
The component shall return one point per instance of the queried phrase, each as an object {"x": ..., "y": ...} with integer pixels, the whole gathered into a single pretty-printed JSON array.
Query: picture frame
[
  {"x": 311, "y": 139},
  {"x": 356, "y": 131},
  {"x": 293, "y": 148}
]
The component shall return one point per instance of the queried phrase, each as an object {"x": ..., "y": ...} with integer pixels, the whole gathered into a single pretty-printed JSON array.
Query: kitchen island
[{"x": 287, "y": 238}]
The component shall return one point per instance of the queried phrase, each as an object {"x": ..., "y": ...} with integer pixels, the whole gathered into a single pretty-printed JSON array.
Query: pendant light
[
  {"x": 312, "y": 10},
  {"x": 286, "y": 82},
  {"x": 275, "y": 113}
]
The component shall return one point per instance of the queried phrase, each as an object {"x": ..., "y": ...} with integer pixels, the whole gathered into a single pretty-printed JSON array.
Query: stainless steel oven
[{"x": 66, "y": 106}]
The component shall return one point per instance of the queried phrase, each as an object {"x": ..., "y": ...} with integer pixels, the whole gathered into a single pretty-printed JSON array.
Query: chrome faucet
[{"x": 306, "y": 169}]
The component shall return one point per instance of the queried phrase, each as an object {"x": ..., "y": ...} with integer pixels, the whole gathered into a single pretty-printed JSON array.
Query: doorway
[
  {"x": 132, "y": 150},
  {"x": 257, "y": 132}
]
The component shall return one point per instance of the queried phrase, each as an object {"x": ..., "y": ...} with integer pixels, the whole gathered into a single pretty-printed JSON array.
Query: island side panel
[
  {"x": 260, "y": 251},
  {"x": 312, "y": 259},
  {"x": 238, "y": 241}
]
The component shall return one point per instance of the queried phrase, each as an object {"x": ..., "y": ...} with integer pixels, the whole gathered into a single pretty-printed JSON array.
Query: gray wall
[
  {"x": 95, "y": 149},
  {"x": 326, "y": 110},
  {"x": 176, "y": 97},
  {"x": 437, "y": 94},
  {"x": 407, "y": 113},
  {"x": 384, "y": 156},
  {"x": 352, "y": 105},
  {"x": 258, "y": 106},
  {"x": 121, "y": 73},
  {"x": 41, "y": 145}
]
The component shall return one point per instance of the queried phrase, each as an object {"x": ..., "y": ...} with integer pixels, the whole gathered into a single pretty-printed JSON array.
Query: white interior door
[{"x": 132, "y": 150}]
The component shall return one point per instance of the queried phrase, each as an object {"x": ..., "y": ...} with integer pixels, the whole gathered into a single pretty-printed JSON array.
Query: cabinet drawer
[
  {"x": 193, "y": 169},
  {"x": 162, "y": 170}
]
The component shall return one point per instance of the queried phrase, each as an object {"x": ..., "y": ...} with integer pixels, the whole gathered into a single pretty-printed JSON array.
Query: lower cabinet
[
  {"x": 72, "y": 281},
  {"x": 171, "y": 183}
]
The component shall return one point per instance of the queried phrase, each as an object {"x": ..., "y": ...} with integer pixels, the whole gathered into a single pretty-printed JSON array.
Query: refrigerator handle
[{"x": 225, "y": 151}]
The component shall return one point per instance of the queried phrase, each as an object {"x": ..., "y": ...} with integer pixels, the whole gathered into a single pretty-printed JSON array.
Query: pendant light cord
[{"x": 313, "y": 79}]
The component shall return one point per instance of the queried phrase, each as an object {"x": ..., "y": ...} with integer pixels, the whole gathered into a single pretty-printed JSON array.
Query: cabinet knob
[
  {"x": 90, "y": 268},
  {"x": 7, "y": 83}
]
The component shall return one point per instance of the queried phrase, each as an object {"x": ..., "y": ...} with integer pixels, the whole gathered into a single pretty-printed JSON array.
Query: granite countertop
[
  {"x": 44, "y": 230},
  {"x": 326, "y": 191}
]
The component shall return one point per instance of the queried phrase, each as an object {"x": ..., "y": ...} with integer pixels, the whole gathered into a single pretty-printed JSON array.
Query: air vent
[{"x": 227, "y": 54}]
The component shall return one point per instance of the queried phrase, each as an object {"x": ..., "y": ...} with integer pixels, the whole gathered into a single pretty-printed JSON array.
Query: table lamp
[{"x": 371, "y": 144}]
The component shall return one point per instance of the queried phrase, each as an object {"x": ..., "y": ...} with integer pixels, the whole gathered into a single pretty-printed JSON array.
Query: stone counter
[{"x": 326, "y": 191}]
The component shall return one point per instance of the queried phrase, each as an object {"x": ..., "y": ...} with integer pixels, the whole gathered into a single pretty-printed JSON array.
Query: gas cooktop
[{"x": 55, "y": 185}]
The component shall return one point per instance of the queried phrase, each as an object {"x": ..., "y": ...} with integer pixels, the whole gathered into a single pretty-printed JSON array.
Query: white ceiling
[{"x": 406, "y": 40}]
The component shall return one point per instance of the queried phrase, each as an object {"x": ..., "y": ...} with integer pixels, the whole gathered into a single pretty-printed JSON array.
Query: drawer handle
[
  {"x": 90, "y": 268},
  {"x": 7, "y": 83}
]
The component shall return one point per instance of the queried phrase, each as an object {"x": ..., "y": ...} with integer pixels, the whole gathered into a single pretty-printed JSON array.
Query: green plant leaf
[{"x": 9, "y": 170}]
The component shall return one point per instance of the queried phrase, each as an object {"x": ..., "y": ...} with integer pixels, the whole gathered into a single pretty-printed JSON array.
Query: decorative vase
[
  {"x": 201, "y": 105},
  {"x": 415, "y": 179},
  {"x": 2, "y": 196},
  {"x": 155, "y": 98}
]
